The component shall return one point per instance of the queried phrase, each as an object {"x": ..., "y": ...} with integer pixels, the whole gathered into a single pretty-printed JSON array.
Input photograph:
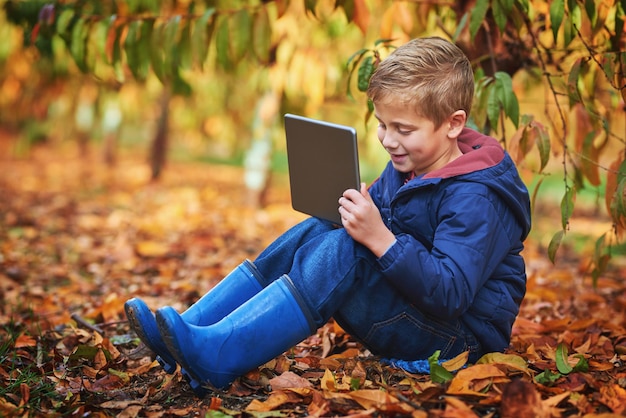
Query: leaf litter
[{"x": 78, "y": 239}]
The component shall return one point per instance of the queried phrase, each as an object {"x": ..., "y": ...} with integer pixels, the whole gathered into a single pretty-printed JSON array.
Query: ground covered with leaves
[{"x": 78, "y": 239}]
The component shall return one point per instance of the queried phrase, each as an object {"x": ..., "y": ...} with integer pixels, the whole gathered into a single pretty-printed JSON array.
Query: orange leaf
[
  {"x": 613, "y": 396},
  {"x": 215, "y": 404},
  {"x": 521, "y": 399},
  {"x": 100, "y": 360},
  {"x": 361, "y": 15},
  {"x": 467, "y": 381},
  {"x": 457, "y": 362},
  {"x": 456, "y": 408},
  {"x": 274, "y": 401},
  {"x": 25, "y": 392},
  {"x": 25, "y": 341},
  {"x": 382, "y": 401}
]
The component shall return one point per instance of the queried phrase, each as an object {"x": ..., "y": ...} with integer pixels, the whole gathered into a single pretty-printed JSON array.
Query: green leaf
[
  {"x": 157, "y": 58},
  {"x": 562, "y": 364},
  {"x": 78, "y": 45},
  {"x": 438, "y": 374},
  {"x": 384, "y": 41},
  {"x": 130, "y": 46},
  {"x": 366, "y": 69},
  {"x": 507, "y": 97},
  {"x": 493, "y": 104},
  {"x": 170, "y": 44},
  {"x": 144, "y": 45},
  {"x": 582, "y": 365},
  {"x": 352, "y": 64},
  {"x": 533, "y": 198},
  {"x": 608, "y": 60},
  {"x": 479, "y": 110},
  {"x": 180, "y": 86},
  {"x": 99, "y": 37},
  {"x": 554, "y": 245},
  {"x": 523, "y": 5},
  {"x": 618, "y": 203},
  {"x": 62, "y": 23},
  {"x": 201, "y": 36},
  {"x": 499, "y": 14},
  {"x": 137, "y": 48},
  {"x": 240, "y": 28},
  {"x": 477, "y": 16},
  {"x": 460, "y": 27},
  {"x": 567, "y": 206},
  {"x": 592, "y": 11},
  {"x": 575, "y": 20},
  {"x": 183, "y": 51},
  {"x": 547, "y": 377},
  {"x": 262, "y": 39},
  {"x": 572, "y": 83},
  {"x": 507, "y": 5},
  {"x": 151, "y": 6},
  {"x": 222, "y": 44},
  {"x": 543, "y": 144},
  {"x": 557, "y": 11},
  {"x": 309, "y": 6},
  {"x": 348, "y": 8}
]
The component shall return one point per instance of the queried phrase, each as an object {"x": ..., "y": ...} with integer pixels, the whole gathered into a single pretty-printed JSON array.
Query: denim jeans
[{"x": 340, "y": 278}]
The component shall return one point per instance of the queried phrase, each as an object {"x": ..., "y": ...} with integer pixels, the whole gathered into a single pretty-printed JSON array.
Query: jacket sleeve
[
  {"x": 381, "y": 189},
  {"x": 470, "y": 240}
]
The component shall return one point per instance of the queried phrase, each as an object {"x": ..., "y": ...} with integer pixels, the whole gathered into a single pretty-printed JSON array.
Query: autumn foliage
[{"x": 78, "y": 239}]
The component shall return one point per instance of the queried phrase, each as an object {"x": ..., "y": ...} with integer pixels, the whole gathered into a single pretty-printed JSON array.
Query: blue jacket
[{"x": 460, "y": 231}]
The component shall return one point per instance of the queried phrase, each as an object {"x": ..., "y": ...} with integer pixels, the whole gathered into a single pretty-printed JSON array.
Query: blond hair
[{"x": 431, "y": 74}]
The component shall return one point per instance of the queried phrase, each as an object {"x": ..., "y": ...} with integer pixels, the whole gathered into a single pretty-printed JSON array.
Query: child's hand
[{"x": 361, "y": 219}]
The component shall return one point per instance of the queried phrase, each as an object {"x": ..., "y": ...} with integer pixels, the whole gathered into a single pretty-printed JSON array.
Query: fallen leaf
[
  {"x": 289, "y": 380},
  {"x": 380, "y": 400},
  {"x": 520, "y": 399}
]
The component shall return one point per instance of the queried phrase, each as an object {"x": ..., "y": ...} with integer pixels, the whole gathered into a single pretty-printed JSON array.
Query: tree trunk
[{"x": 158, "y": 152}]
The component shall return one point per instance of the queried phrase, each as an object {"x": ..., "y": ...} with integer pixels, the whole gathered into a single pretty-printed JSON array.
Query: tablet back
[{"x": 323, "y": 163}]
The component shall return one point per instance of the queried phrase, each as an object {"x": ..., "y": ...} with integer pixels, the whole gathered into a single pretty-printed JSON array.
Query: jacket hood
[
  {"x": 479, "y": 152},
  {"x": 485, "y": 161}
]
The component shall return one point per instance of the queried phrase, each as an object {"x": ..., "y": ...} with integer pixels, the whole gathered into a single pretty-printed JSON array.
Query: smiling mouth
[{"x": 397, "y": 157}]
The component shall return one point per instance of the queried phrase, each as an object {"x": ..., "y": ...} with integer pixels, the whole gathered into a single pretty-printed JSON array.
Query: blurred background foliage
[{"x": 210, "y": 80}]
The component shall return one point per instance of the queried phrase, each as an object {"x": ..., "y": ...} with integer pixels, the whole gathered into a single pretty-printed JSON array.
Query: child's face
[{"x": 412, "y": 141}]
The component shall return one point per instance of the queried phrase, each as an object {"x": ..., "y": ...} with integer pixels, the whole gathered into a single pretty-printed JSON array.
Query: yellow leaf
[
  {"x": 511, "y": 361},
  {"x": 328, "y": 381},
  {"x": 456, "y": 363},
  {"x": 151, "y": 249}
]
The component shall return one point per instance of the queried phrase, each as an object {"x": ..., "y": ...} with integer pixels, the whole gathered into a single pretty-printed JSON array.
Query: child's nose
[{"x": 388, "y": 141}]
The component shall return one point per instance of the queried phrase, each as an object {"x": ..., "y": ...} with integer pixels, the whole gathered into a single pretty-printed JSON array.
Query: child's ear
[{"x": 456, "y": 123}]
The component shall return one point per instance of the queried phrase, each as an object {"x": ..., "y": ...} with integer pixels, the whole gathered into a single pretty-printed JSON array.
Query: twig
[{"x": 83, "y": 323}]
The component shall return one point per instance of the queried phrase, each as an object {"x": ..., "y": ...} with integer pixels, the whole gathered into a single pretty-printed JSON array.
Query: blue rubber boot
[
  {"x": 259, "y": 330},
  {"x": 237, "y": 287}
]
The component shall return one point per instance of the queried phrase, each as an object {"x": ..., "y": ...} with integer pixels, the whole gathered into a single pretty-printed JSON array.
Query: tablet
[{"x": 323, "y": 163}]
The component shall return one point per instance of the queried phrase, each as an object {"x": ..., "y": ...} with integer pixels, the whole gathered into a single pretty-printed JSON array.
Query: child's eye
[{"x": 403, "y": 132}]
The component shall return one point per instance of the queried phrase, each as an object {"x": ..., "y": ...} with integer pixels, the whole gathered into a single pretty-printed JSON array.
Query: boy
[{"x": 428, "y": 258}]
